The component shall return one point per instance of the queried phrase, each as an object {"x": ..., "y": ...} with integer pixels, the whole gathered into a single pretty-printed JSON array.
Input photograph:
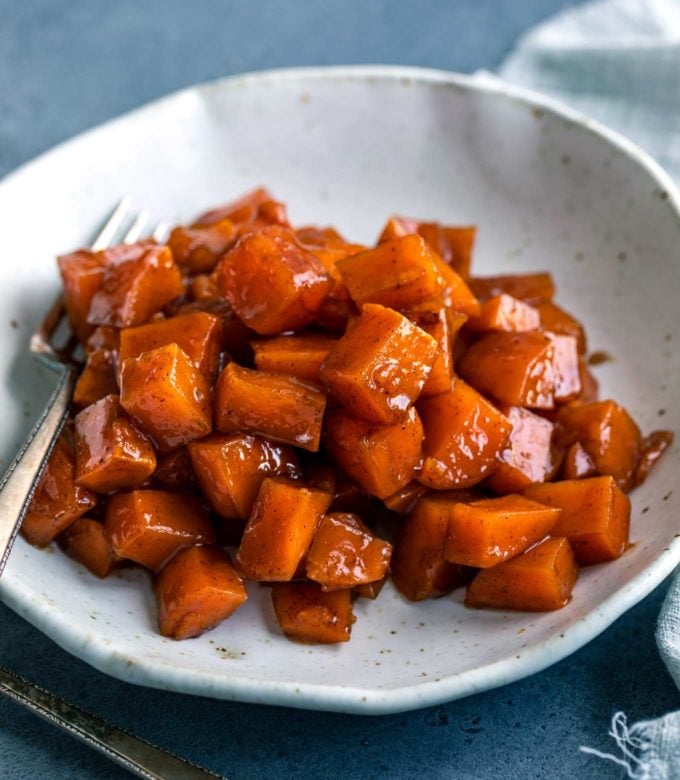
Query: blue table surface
[{"x": 66, "y": 66}]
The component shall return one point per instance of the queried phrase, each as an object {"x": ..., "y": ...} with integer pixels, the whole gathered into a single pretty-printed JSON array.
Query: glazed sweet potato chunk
[
  {"x": 86, "y": 541},
  {"x": 57, "y": 500},
  {"x": 595, "y": 516},
  {"x": 514, "y": 368},
  {"x": 464, "y": 438},
  {"x": 566, "y": 371},
  {"x": 540, "y": 580},
  {"x": 281, "y": 527},
  {"x": 272, "y": 281},
  {"x": 378, "y": 368},
  {"x": 486, "y": 532},
  {"x": 300, "y": 356},
  {"x": 235, "y": 338},
  {"x": 97, "y": 379},
  {"x": 138, "y": 281},
  {"x": 577, "y": 464},
  {"x": 174, "y": 471},
  {"x": 276, "y": 406},
  {"x": 380, "y": 458},
  {"x": 608, "y": 434},
  {"x": 231, "y": 469},
  {"x": 528, "y": 456},
  {"x": 344, "y": 553},
  {"x": 560, "y": 322},
  {"x": 198, "y": 335},
  {"x": 531, "y": 288},
  {"x": 111, "y": 453},
  {"x": 419, "y": 570},
  {"x": 81, "y": 274},
  {"x": 196, "y": 590},
  {"x": 198, "y": 249},
  {"x": 148, "y": 526},
  {"x": 167, "y": 396},
  {"x": 310, "y": 615},
  {"x": 369, "y": 590},
  {"x": 505, "y": 313},
  {"x": 443, "y": 325},
  {"x": 403, "y": 501}
]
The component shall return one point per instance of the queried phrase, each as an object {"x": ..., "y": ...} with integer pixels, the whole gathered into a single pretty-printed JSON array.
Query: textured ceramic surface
[{"x": 548, "y": 190}]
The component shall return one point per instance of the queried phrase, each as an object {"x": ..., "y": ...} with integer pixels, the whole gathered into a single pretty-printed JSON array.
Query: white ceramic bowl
[{"x": 548, "y": 189}]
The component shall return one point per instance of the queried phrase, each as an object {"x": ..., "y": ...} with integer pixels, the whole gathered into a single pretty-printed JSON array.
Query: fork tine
[
  {"x": 160, "y": 232},
  {"x": 135, "y": 230},
  {"x": 112, "y": 225}
]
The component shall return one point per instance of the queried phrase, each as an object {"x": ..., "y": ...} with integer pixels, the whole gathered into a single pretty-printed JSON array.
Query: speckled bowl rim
[{"x": 87, "y": 646}]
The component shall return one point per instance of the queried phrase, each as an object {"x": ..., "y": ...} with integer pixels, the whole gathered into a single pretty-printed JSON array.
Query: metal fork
[{"x": 16, "y": 491}]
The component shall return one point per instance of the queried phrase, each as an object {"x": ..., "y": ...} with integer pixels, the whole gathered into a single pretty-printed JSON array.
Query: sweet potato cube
[
  {"x": 577, "y": 464},
  {"x": 540, "y": 580},
  {"x": 608, "y": 434},
  {"x": 442, "y": 324},
  {"x": 111, "y": 453},
  {"x": 484, "y": 533},
  {"x": 528, "y": 457},
  {"x": 403, "y": 501},
  {"x": 148, "y": 526},
  {"x": 531, "y": 288},
  {"x": 515, "y": 368},
  {"x": 97, "y": 379},
  {"x": 380, "y": 458},
  {"x": 464, "y": 438},
  {"x": 174, "y": 471},
  {"x": 455, "y": 293},
  {"x": 196, "y": 590},
  {"x": 139, "y": 280},
  {"x": 378, "y": 368},
  {"x": 81, "y": 274},
  {"x": 560, "y": 322},
  {"x": 370, "y": 590},
  {"x": 198, "y": 249},
  {"x": 566, "y": 371},
  {"x": 167, "y": 396},
  {"x": 595, "y": 516},
  {"x": 652, "y": 448},
  {"x": 231, "y": 469},
  {"x": 281, "y": 527},
  {"x": 590, "y": 387},
  {"x": 235, "y": 337},
  {"x": 310, "y": 615},
  {"x": 244, "y": 209},
  {"x": 277, "y": 406},
  {"x": 419, "y": 570},
  {"x": 85, "y": 541},
  {"x": 272, "y": 281},
  {"x": 344, "y": 553},
  {"x": 505, "y": 313},
  {"x": 299, "y": 356},
  {"x": 198, "y": 334},
  {"x": 57, "y": 500}
]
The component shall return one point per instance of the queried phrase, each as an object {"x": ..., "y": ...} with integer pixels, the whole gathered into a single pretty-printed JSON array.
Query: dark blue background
[{"x": 65, "y": 66}]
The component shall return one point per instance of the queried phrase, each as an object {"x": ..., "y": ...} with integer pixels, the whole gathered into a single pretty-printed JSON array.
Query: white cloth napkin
[{"x": 619, "y": 62}]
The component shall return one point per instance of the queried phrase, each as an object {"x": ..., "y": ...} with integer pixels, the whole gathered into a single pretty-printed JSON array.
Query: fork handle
[{"x": 20, "y": 480}]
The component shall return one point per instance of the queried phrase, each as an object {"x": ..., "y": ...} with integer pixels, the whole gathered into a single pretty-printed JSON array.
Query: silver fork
[{"x": 16, "y": 491}]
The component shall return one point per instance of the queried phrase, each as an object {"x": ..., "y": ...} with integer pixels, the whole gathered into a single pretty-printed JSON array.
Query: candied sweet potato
[
  {"x": 243, "y": 209},
  {"x": 97, "y": 379},
  {"x": 531, "y": 288},
  {"x": 380, "y": 458},
  {"x": 57, "y": 500},
  {"x": 81, "y": 274},
  {"x": 443, "y": 325},
  {"x": 196, "y": 590},
  {"x": 464, "y": 438},
  {"x": 403, "y": 500},
  {"x": 111, "y": 453},
  {"x": 281, "y": 527},
  {"x": 148, "y": 526},
  {"x": 300, "y": 356},
  {"x": 276, "y": 406},
  {"x": 505, "y": 313},
  {"x": 198, "y": 249},
  {"x": 378, "y": 368},
  {"x": 560, "y": 322},
  {"x": 344, "y": 553},
  {"x": 595, "y": 516},
  {"x": 577, "y": 464},
  {"x": 167, "y": 396},
  {"x": 310, "y": 615},
  {"x": 486, "y": 532},
  {"x": 540, "y": 580},
  {"x": 370, "y": 590},
  {"x": 86, "y": 541},
  {"x": 272, "y": 281},
  {"x": 566, "y": 368},
  {"x": 174, "y": 471},
  {"x": 235, "y": 336},
  {"x": 230, "y": 469}
]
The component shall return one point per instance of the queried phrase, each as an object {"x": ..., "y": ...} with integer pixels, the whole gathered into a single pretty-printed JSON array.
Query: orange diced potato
[
  {"x": 198, "y": 249},
  {"x": 57, "y": 500},
  {"x": 81, "y": 274},
  {"x": 235, "y": 336},
  {"x": 97, "y": 380},
  {"x": 370, "y": 590},
  {"x": 139, "y": 280},
  {"x": 403, "y": 501},
  {"x": 560, "y": 322},
  {"x": 566, "y": 371},
  {"x": 442, "y": 324},
  {"x": 197, "y": 590},
  {"x": 464, "y": 438},
  {"x": 505, "y": 313},
  {"x": 531, "y": 288},
  {"x": 167, "y": 396},
  {"x": 378, "y": 368},
  {"x": 272, "y": 281},
  {"x": 344, "y": 553},
  {"x": 595, "y": 516},
  {"x": 111, "y": 453},
  {"x": 313, "y": 616},
  {"x": 540, "y": 580},
  {"x": 299, "y": 356},
  {"x": 380, "y": 458},
  {"x": 148, "y": 526},
  {"x": 577, "y": 464},
  {"x": 174, "y": 471},
  {"x": 273, "y": 405},
  {"x": 231, "y": 469},
  {"x": 484, "y": 533},
  {"x": 85, "y": 541},
  {"x": 281, "y": 527},
  {"x": 244, "y": 209}
]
